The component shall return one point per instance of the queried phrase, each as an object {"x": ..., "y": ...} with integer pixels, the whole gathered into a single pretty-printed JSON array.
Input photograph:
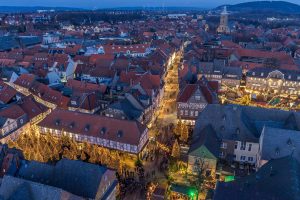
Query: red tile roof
[
  {"x": 13, "y": 112},
  {"x": 31, "y": 107},
  {"x": 6, "y": 92},
  {"x": 229, "y": 44},
  {"x": 281, "y": 56},
  {"x": 97, "y": 58},
  {"x": 131, "y": 130},
  {"x": 207, "y": 90},
  {"x": 83, "y": 86},
  {"x": 147, "y": 81},
  {"x": 7, "y": 62},
  {"x": 87, "y": 101},
  {"x": 135, "y": 48},
  {"x": 48, "y": 94},
  {"x": 25, "y": 80},
  {"x": 56, "y": 98}
]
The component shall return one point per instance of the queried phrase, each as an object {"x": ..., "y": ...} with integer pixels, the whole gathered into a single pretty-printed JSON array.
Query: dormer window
[
  {"x": 72, "y": 125},
  {"x": 120, "y": 134},
  {"x": 57, "y": 122},
  {"x": 277, "y": 151},
  {"x": 197, "y": 97},
  {"x": 224, "y": 117},
  {"x": 289, "y": 142},
  {"x": 87, "y": 127},
  {"x": 103, "y": 130}
]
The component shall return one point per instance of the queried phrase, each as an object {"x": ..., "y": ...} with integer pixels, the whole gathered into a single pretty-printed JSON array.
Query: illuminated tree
[
  {"x": 93, "y": 155},
  {"x": 184, "y": 133},
  {"x": 176, "y": 150},
  {"x": 13, "y": 144},
  {"x": 45, "y": 147},
  {"x": 83, "y": 156},
  {"x": 68, "y": 154},
  {"x": 178, "y": 128}
]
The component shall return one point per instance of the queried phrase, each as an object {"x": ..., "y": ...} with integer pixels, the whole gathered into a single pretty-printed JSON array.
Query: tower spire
[{"x": 223, "y": 27}]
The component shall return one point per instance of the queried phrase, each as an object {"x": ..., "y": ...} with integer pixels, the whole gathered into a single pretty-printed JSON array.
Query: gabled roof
[
  {"x": 101, "y": 59},
  {"x": 128, "y": 109},
  {"x": 281, "y": 56},
  {"x": 278, "y": 143},
  {"x": 56, "y": 98},
  {"x": 208, "y": 89},
  {"x": 132, "y": 130},
  {"x": 263, "y": 72},
  {"x": 31, "y": 107},
  {"x": 147, "y": 81},
  {"x": 82, "y": 86},
  {"x": 13, "y": 112},
  {"x": 242, "y": 123},
  {"x": 135, "y": 48},
  {"x": 14, "y": 188},
  {"x": 6, "y": 92},
  {"x": 207, "y": 145},
  {"x": 87, "y": 101},
  {"x": 25, "y": 80},
  {"x": 77, "y": 177}
]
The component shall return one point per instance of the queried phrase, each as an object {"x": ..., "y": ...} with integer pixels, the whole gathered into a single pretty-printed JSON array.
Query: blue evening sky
[{"x": 121, "y": 3}]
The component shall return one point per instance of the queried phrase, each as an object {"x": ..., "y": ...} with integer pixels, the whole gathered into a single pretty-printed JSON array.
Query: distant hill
[
  {"x": 264, "y": 6},
  {"x": 156, "y": 8},
  {"x": 21, "y": 9}
]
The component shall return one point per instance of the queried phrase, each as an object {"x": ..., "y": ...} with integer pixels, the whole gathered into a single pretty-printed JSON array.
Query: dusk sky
[{"x": 121, "y": 3}]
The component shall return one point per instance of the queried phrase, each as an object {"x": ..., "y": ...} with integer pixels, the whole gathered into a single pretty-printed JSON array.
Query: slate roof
[
  {"x": 208, "y": 139},
  {"x": 23, "y": 192},
  {"x": 29, "y": 40},
  {"x": 13, "y": 188},
  {"x": 218, "y": 69},
  {"x": 277, "y": 180},
  {"x": 129, "y": 110},
  {"x": 277, "y": 143},
  {"x": 2, "y": 121},
  {"x": 77, "y": 177},
  {"x": 289, "y": 75},
  {"x": 8, "y": 43},
  {"x": 244, "y": 123}
]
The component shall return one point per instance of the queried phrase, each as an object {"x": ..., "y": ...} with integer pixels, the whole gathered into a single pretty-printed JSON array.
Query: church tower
[{"x": 223, "y": 27}]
